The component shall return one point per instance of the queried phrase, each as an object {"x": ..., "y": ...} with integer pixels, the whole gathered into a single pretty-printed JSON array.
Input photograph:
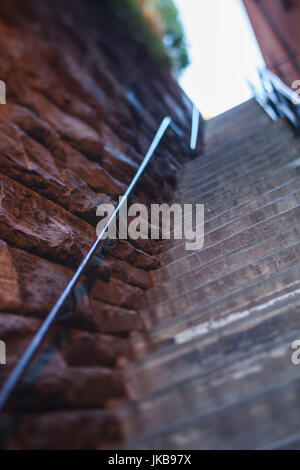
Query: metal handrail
[
  {"x": 27, "y": 356},
  {"x": 263, "y": 102},
  {"x": 281, "y": 87},
  {"x": 276, "y": 98},
  {"x": 195, "y": 128}
]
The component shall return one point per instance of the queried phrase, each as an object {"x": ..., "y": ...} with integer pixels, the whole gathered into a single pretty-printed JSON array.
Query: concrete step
[
  {"x": 188, "y": 297},
  {"x": 251, "y": 423},
  {"x": 268, "y": 349},
  {"x": 261, "y": 165},
  {"x": 245, "y": 145},
  {"x": 251, "y": 136},
  {"x": 234, "y": 214},
  {"x": 216, "y": 217},
  {"x": 188, "y": 355},
  {"x": 220, "y": 249},
  {"x": 250, "y": 255},
  {"x": 217, "y": 202},
  {"x": 189, "y": 180},
  {"x": 205, "y": 317},
  {"x": 214, "y": 235},
  {"x": 235, "y": 123}
]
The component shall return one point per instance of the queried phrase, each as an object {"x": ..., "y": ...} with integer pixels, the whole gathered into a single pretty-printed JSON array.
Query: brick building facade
[{"x": 276, "y": 26}]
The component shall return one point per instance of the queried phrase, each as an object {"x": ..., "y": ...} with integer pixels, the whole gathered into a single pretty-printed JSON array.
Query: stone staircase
[{"x": 213, "y": 368}]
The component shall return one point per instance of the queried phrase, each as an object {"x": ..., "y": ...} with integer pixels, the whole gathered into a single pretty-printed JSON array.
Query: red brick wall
[
  {"x": 276, "y": 25},
  {"x": 83, "y": 103}
]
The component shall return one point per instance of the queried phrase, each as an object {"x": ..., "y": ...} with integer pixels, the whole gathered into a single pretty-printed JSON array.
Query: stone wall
[{"x": 83, "y": 103}]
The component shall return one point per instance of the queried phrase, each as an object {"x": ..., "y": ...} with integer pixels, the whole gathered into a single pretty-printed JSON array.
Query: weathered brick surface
[{"x": 71, "y": 138}]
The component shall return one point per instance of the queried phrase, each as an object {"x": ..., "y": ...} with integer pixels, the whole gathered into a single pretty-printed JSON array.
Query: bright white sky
[{"x": 223, "y": 53}]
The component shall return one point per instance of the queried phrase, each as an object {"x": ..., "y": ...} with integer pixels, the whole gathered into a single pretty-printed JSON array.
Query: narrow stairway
[{"x": 214, "y": 369}]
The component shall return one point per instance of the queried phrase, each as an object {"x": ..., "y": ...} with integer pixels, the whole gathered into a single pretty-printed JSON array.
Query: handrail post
[{"x": 194, "y": 127}]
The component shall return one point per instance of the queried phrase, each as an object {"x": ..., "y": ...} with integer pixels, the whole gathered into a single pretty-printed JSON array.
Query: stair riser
[
  {"x": 207, "y": 174},
  {"x": 233, "y": 282},
  {"x": 238, "y": 225},
  {"x": 226, "y": 430},
  {"x": 227, "y": 152},
  {"x": 225, "y": 200},
  {"x": 198, "y": 394},
  {"x": 228, "y": 303},
  {"x": 235, "y": 241},
  {"x": 209, "y": 273},
  {"x": 217, "y": 143},
  {"x": 218, "y": 205},
  {"x": 221, "y": 251},
  {"x": 174, "y": 365},
  {"x": 236, "y": 213},
  {"x": 203, "y": 321},
  {"x": 204, "y": 193}
]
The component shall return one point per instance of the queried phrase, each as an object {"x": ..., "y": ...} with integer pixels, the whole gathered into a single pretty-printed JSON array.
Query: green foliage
[
  {"x": 155, "y": 24},
  {"x": 173, "y": 33}
]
